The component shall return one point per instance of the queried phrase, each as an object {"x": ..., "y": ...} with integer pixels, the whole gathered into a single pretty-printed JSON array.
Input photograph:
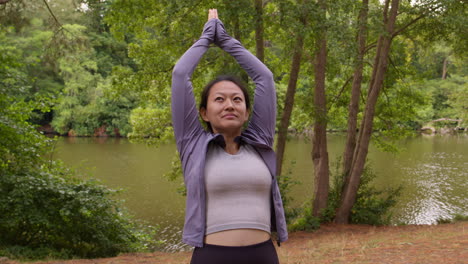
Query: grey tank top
[{"x": 238, "y": 189}]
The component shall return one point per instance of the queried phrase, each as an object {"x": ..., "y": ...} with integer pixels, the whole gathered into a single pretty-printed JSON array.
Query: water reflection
[{"x": 440, "y": 181}]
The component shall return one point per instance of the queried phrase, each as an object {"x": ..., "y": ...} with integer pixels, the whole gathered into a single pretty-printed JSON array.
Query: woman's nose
[{"x": 229, "y": 104}]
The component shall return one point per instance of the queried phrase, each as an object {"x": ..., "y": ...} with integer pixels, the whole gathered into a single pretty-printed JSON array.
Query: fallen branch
[{"x": 446, "y": 119}]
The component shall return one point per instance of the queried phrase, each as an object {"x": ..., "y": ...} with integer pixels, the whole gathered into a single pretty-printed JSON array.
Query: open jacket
[{"x": 192, "y": 139}]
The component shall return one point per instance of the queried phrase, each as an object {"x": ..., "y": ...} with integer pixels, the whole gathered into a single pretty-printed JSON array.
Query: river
[{"x": 433, "y": 171}]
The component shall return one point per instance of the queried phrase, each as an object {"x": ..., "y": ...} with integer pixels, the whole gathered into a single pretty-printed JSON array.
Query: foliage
[
  {"x": 86, "y": 103},
  {"x": 305, "y": 220},
  {"x": 454, "y": 219},
  {"x": 373, "y": 206},
  {"x": 285, "y": 183},
  {"x": 20, "y": 143},
  {"x": 460, "y": 217},
  {"x": 176, "y": 174},
  {"x": 44, "y": 210},
  {"x": 69, "y": 64},
  {"x": 449, "y": 98},
  {"x": 49, "y": 209},
  {"x": 130, "y": 49},
  {"x": 151, "y": 124}
]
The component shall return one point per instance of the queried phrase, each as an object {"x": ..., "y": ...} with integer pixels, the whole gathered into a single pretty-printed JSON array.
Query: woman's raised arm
[
  {"x": 184, "y": 110},
  {"x": 263, "y": 117}
]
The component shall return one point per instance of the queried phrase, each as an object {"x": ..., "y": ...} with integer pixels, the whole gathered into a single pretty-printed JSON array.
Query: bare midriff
[{"x": 237, "y": 237}]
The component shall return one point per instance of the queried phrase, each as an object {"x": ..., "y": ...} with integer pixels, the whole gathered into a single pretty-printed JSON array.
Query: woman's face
[{"x": 226, "y": 110}]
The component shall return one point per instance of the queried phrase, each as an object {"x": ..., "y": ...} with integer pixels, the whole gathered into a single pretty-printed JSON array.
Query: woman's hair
[{"x": 230, "y": 78}]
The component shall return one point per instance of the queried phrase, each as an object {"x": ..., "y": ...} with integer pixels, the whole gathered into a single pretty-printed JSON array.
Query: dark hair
[{"x": 230, "y": 78}]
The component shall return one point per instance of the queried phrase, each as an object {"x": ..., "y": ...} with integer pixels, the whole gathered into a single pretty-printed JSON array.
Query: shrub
[
  {"x": 45, "y": 211},
  {"x": 372, "y": 205},
  {"x": 455, "y": 218},
  {"x": 460, "y": 217},
  {"x": 305, "y": 220},
  {"x": 285, "y": 183},
  {"x": 51, "y": 212}
]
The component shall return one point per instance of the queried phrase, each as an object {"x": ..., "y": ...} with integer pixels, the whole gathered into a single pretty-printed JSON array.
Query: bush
[
  {"x": 454, "y": 219},
  {"x": 285, "y": 183},
  {"x": 305, "y": 220},
  {"x": 372, "y": 205},
  {"x": 297, "y": 219},
  {"x": 44, "y": 210},
  {"x": 460, "y": 218}
]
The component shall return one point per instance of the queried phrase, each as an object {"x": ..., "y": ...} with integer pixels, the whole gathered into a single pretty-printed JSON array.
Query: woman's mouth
[{"x": 229, "y": 116}]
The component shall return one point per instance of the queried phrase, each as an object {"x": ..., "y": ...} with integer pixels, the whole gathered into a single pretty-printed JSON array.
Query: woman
[{"x": 233, "y": 200}]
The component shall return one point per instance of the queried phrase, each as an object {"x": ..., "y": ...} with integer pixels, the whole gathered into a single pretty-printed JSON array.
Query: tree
[
  {"x": 413, "y": 16},
  {"x": 292, "y": 83},
  {"x": 380, "y": 67},
  {"x": 319, "y": 138},
  {"x": 353, "y": 108}
]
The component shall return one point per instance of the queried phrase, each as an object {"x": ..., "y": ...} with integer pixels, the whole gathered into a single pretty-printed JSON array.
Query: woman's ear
[
  {"x": 247, "y": 114},
  {"x": 202, "y": 112}
]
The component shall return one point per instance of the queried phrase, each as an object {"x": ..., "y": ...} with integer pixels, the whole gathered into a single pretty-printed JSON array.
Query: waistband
[{"x": 261, "y": 244}]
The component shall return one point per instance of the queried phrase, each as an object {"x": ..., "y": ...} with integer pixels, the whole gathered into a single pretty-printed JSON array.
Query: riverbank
[{"x": 428, "y": 244}]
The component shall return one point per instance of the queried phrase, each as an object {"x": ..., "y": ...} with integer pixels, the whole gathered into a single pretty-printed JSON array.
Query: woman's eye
[
  {"x": 238, "y": 99},
  {"x": 220, "y": 99}
]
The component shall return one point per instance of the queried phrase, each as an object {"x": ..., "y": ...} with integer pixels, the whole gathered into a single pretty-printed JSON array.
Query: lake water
[{"x": 432, "y": 169}]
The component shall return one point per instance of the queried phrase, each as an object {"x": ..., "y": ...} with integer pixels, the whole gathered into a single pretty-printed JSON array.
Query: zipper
[{"x": 202, "y": 185}]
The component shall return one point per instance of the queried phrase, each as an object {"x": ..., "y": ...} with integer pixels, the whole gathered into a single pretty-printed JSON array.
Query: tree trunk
[
  {"x": 378, "y": 75},
  {"x": 444, "y": 69},
  {"x": 319, "y": 138},
  {"x": 355, "y": 93},
  {"x": 289, "y": 100},
  {"x": 260, "y": 46},
  {"x": 288, "y": 103}
]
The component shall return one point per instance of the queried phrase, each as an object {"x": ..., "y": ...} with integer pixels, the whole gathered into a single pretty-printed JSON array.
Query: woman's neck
[{"x": 232, "y": 147}]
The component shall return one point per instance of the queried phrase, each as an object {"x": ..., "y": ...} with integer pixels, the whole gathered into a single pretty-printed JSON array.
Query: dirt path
[{"x": 446, "y": 244}]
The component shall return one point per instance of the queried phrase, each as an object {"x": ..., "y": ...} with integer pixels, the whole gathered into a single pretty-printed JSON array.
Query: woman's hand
[{"x": 212, "y": 13}]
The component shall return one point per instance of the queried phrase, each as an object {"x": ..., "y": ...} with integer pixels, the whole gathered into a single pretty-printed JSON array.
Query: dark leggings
[{"x": 262, "y": 253}]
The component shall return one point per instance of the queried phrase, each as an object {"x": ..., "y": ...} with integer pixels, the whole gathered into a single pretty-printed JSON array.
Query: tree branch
[
  {"x": 446, "y": 119},
  {"x": 407, "y": 25},
  {"x": 385, "y": 11},
  {"x": 370, "y": 46},
  {"x": 374, "y": 44},
  {"x": 398, "y": 72},
  {"x": 51, "y": 13},
  {"x": 422, "y": 15},
  {"x": 341, "y": 91}
]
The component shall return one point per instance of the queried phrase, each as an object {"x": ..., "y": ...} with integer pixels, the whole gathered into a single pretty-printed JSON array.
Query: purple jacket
[{"x": 192, "y": 139}]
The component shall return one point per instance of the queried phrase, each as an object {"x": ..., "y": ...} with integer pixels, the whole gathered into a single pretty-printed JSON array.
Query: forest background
[{"x": 103, "y": 68}]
